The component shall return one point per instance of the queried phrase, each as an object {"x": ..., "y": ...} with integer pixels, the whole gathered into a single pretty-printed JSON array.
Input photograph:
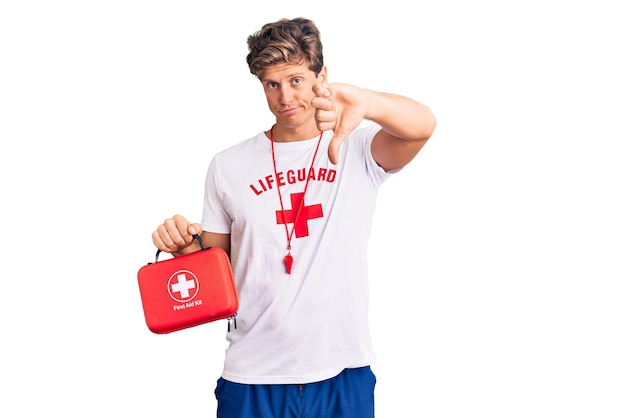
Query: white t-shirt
[{"x": 309, "y": 325}]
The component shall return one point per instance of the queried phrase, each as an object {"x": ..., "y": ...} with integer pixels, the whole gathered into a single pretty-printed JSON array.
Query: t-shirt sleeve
[
  {"x": 364, "y": 137},
  {"x": 214, "y": 216}
]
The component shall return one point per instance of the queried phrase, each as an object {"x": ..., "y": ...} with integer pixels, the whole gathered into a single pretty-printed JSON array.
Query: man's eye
[
  {"x": 272, "y": 85},
  {"x": 297, "y": 81}
]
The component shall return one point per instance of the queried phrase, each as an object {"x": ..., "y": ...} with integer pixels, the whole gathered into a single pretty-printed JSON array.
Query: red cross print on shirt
[{"x": 288, "y": 216}]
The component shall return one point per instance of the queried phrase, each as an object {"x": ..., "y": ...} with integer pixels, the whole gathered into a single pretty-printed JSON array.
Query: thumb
[
  {"x": 194, "y": 229},
  {"x": 333, "y": 147}
]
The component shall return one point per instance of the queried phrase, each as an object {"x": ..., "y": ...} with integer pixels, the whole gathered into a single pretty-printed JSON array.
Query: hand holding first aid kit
[{"x": 188, "y": 290}]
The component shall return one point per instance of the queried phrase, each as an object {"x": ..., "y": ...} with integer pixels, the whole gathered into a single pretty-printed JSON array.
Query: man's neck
[{"x": 282, "y": 133}]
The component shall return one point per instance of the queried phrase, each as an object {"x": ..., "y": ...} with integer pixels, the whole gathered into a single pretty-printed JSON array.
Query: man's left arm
[{"x": 406, "y": 124}]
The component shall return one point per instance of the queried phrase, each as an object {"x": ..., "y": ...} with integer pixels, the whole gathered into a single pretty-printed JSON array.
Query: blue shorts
[{"x": 350, "y": 394}]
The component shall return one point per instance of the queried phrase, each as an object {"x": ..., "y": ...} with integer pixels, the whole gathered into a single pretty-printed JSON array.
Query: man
[{"x": 293, "y": 207}]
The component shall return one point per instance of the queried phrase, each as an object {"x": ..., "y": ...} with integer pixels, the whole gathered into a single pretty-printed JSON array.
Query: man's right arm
[{"x": 175, "y": 236}]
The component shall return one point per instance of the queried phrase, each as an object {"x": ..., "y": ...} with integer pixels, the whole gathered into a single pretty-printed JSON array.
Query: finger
[
  {"x": 173, "y": 234},
  {"x": 163, "y": 240},
  {"x": 325, "y": 115},
  {"x": 158, "y": 242},
  {"x": 321, "y": 90},
  {"x": 182, "y": 227},
  {"x": 325, "y": 120},
  {"x": 323, "y": 103}
]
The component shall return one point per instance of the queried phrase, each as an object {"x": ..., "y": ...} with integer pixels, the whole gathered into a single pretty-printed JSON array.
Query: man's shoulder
[{"x": 250, "y": 145}]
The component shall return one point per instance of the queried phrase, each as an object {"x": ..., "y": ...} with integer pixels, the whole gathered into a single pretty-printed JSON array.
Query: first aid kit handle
[{"x": 156, "y": 258}]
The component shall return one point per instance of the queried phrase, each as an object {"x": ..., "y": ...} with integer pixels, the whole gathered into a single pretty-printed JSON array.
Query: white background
[{"x": 497, "y": 256}]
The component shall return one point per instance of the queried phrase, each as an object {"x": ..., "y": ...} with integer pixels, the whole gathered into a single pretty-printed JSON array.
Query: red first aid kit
[{"x": 188, "y": 290}]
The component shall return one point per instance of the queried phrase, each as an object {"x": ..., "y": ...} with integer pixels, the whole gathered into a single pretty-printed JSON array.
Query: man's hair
[{"x": 295, "y": 41}]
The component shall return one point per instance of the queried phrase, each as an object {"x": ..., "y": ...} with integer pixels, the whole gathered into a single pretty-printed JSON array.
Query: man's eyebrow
[{"x": 292, "y": 75}]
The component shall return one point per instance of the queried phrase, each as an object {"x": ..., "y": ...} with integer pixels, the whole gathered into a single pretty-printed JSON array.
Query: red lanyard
[{"x": 289, "y": 258}]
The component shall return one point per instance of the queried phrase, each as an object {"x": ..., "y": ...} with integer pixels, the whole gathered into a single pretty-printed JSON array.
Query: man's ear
[{"x": 322, "y": 77}]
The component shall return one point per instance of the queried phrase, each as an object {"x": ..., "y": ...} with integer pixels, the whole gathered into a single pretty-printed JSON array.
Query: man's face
[{"x": 289, "y": 91}]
